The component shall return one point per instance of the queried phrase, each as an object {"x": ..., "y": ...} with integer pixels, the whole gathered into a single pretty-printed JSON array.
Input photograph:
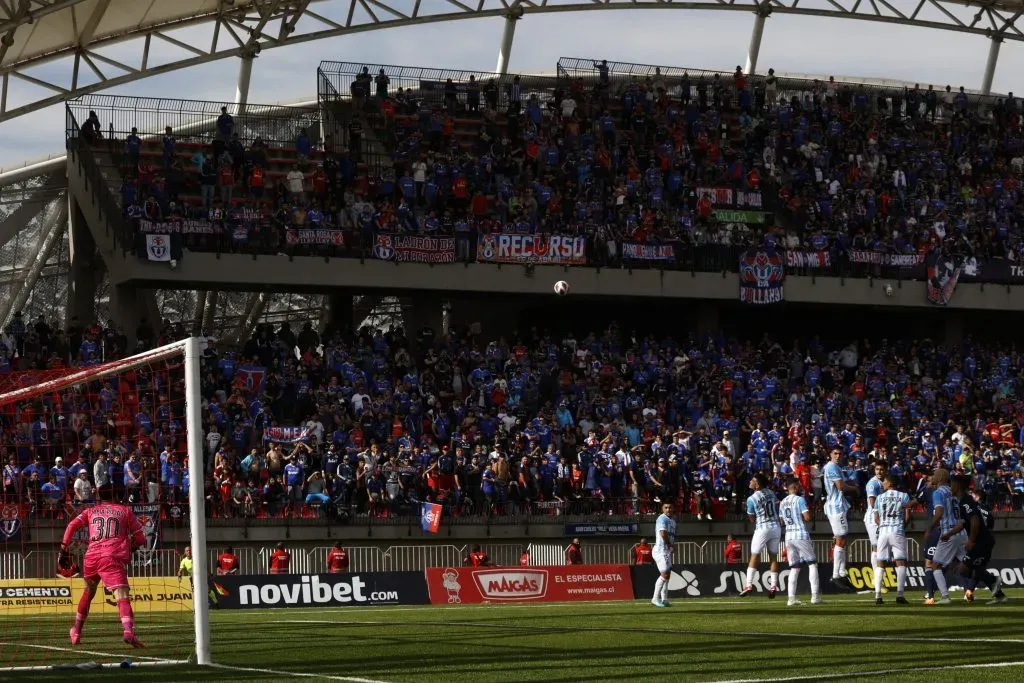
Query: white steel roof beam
[{"x": 254, "y": 16}]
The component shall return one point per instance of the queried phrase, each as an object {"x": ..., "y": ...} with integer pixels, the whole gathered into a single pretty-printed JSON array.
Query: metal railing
[
  {"x": 426, "y": 84},
  {"x": 81, "y": 154},
  {"x": 620, "y": 73},
  {"x": 195, "y": 120}
]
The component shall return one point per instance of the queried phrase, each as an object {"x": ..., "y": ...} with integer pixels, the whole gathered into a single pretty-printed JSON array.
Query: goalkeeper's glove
[{"x": 67, "y": 566}]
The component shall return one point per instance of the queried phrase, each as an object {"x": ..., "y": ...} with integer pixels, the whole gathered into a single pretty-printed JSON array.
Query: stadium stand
[
  {"x": 694, "y": 167},
  {"x": 534, "y": 425},
  {"x": 671, "y": 169}
]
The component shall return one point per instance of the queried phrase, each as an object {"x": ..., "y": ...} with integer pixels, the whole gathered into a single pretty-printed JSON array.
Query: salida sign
[{"x": 469, "y": 585}]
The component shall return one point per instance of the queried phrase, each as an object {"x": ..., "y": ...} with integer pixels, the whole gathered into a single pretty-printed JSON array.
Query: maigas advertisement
[{"x": 471, "y": 585}]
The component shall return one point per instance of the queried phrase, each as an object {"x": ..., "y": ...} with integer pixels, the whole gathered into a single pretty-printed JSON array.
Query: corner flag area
[{"x": 724, "y": 640}]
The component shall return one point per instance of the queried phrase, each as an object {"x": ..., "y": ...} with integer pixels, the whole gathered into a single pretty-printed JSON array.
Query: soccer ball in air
[{"x": 561, "y": 288}]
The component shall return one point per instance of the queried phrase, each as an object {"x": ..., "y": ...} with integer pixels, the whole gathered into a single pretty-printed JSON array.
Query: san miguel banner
[
  {"x": 726, "y": 197},
  {"x": 474, "y": 585},
  {"x": 648, "y": 252},
  {"x": 808, "y": 259},
  {"x": 319, "y": 590},
  {"x": 535, "y": 249},
  {"x": 881, "y": 258},
  {"x": 762, "y": 275},
  {"x": 315, "y": 237},
  {"x": 180, "y": 226},
  {"x": 414, "y": 249}
]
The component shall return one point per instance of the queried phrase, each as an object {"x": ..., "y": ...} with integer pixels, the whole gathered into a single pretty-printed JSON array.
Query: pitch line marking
[
  {"x": 296, "y": 674},
  {"x": 747, "y": 634},
  {"x": 123, "y": 655},
  {"x": 883, "y": 672}
]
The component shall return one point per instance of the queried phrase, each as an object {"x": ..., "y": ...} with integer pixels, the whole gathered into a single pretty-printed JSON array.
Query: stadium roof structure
[
  {"x": 53, "y": 51},
  {"x": 92, "y": 45}
]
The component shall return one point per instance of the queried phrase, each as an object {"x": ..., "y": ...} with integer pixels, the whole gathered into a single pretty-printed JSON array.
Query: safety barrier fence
[{"x": 362, "y": 558}]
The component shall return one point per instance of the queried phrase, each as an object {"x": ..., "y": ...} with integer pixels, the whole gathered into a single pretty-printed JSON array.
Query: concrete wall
[{"x": 303, "y": 273}]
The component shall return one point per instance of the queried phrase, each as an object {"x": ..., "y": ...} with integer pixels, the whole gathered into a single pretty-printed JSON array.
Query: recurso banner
[{"x": 541, "y": 249}]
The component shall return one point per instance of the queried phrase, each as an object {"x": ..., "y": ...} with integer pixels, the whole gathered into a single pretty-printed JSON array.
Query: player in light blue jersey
[
  {"x": 836, "y": 507},
  {"x": 891, "y": 514},
  {"x": 763, "y": 511},
  {"x": 665, "y": 537},
  {"x": 872, "y": 490},
  {"x": 945, "y": 518},
  {"x": 799, "y": 547}
]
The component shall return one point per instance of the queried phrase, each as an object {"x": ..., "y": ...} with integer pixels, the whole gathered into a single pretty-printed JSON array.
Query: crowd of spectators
[
  {"x": 841, "y": 167},
  {"x": 373, "y": 423}
]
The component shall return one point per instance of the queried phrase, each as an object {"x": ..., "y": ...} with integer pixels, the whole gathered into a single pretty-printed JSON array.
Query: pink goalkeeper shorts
[{"x": 112, "y": 572}]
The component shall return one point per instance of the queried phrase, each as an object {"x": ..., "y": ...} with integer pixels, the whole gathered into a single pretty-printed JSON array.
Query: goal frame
[{"x": 191, "y": 349}]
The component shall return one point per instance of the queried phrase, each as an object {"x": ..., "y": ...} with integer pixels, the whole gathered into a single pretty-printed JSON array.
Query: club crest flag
[
  {"x": 149, "y": 517},
  {"x": 762, "y": 274},
  {"x": 251, "y": 377},
  {"x": 943, "y": 274},
  {"x": 10, "y": 522},
  {"x": 158, "y": 247},
  {"x": 430, "y": 517}
]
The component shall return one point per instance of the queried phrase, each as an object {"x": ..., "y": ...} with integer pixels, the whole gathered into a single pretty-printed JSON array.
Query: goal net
[{"x": 127, "y": 431}]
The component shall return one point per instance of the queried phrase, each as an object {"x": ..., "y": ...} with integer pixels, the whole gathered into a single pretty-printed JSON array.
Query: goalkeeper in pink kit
[{"x": 113, "y": 532}]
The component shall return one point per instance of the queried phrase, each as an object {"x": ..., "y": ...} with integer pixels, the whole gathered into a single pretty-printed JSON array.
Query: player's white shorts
[
  {"x": 947, "y": 551},
  {"x": 663, "y": 561},
  {"x": 891, "y": 547},
  {"x": 765, "y": 538},
  {"x": 839, "y": 525},
  {"x": 869, "y": 524},
  {"x": 799, "y": 551}
]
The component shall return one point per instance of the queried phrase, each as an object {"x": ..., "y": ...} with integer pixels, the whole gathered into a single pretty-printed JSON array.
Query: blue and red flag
[{"x": 430, "y": 517}]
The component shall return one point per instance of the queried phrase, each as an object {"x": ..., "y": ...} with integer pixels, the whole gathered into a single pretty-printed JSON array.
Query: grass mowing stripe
[
  {"x": 295, "y": 674},
  {"x": 633, "y": 629},
  {"x": 881, "y": 672}
]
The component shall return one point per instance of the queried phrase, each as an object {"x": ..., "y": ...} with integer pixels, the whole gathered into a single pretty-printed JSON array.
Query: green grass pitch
[{"x": 726, "y": 639}]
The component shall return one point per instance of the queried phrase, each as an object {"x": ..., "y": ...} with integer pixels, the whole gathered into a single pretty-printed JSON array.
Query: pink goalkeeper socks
[
  {"x": 124, "y": 608},
  {"x": 83, "y": 611}
]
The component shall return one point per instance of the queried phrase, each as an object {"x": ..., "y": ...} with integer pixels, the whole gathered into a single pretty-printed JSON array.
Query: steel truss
[{"x": 243, "y": 28}]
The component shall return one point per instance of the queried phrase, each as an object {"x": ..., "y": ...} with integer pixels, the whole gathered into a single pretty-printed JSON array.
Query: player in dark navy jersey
[
  {"x": 979, "y": 545},
  {"x": 924, "y": 496}
]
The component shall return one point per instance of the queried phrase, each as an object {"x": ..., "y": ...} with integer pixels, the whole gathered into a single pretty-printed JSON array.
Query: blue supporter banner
[
  {"x": 430, "y": 517},
  {"x": 285, "y": 434},
  {"x": 648, "y": 252},
  {"x": 762, "y": 275},
  {"x": 532, "y": 249},
  {"x": 414, "y": 248},
  {"x": 627, "y": 529}
]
